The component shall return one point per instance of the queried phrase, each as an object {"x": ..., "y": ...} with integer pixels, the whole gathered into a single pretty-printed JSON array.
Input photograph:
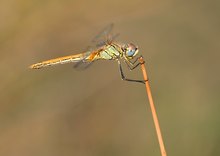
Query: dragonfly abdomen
[{"x": 60, "y": 60}]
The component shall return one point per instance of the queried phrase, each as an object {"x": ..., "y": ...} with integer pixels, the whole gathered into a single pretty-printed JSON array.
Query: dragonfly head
[{"x": 130, "y": 50}]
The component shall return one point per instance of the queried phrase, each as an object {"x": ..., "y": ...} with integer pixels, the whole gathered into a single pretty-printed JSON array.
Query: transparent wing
[
  {"x": 106, "y": 36},
  {"x": 83, "y": 63},
  {"x": 103, "y": 34}
]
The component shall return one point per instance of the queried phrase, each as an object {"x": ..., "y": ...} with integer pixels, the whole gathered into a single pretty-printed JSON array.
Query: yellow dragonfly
[{"x": 107, "y": 50}]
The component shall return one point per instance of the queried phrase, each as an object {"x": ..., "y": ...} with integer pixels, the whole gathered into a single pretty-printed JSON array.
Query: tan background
[{"x": 60, "y": 111}]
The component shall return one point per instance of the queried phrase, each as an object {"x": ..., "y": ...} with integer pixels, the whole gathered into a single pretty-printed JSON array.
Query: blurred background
[{"x": 60, "y": 111}]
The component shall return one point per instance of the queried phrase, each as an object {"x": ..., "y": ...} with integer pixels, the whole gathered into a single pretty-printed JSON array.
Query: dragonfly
[{"x": 106, "y": 49}]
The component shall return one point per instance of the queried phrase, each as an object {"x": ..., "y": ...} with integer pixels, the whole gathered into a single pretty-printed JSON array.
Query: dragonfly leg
[
  {"x": 135, "y": 60},
  {"x": 131, "y": 65},
  {"x": 124, "y": 78}
]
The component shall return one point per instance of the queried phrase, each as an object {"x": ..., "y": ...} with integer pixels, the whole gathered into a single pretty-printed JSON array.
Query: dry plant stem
[{"x": 154, "y": 114}]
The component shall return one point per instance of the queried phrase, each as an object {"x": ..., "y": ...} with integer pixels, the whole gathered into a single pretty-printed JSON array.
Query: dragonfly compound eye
[{"x": 131, "y": 50}]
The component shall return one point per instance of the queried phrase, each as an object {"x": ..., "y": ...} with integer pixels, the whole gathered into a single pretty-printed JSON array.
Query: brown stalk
[{"x": 153, "y": 110}]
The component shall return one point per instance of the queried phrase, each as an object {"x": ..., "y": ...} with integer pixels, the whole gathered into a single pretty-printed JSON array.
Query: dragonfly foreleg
[
  {"x": 124, "y": 78},
  {"x": 131, "y": 65}
]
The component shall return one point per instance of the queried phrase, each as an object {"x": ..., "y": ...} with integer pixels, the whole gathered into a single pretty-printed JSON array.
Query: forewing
[
  {"x": 104, "y": 37},
  {"x": 103, "y": 34}
]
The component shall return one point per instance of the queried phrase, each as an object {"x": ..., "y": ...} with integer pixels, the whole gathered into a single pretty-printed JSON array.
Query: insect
[{"x": 106, "y": 49}]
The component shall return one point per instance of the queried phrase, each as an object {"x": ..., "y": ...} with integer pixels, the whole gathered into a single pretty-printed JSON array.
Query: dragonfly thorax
[{"x": 130, "y": 50}]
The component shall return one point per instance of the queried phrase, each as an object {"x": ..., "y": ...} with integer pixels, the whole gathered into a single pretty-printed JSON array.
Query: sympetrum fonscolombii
[{"x": 108, "y": 50}]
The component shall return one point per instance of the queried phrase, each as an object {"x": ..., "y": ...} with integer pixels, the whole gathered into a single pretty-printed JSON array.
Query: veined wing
[
  {"x": 104, "y": 34},
  {"x": 104, "y": 37},
  {"x": 61, "y": 60}
]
